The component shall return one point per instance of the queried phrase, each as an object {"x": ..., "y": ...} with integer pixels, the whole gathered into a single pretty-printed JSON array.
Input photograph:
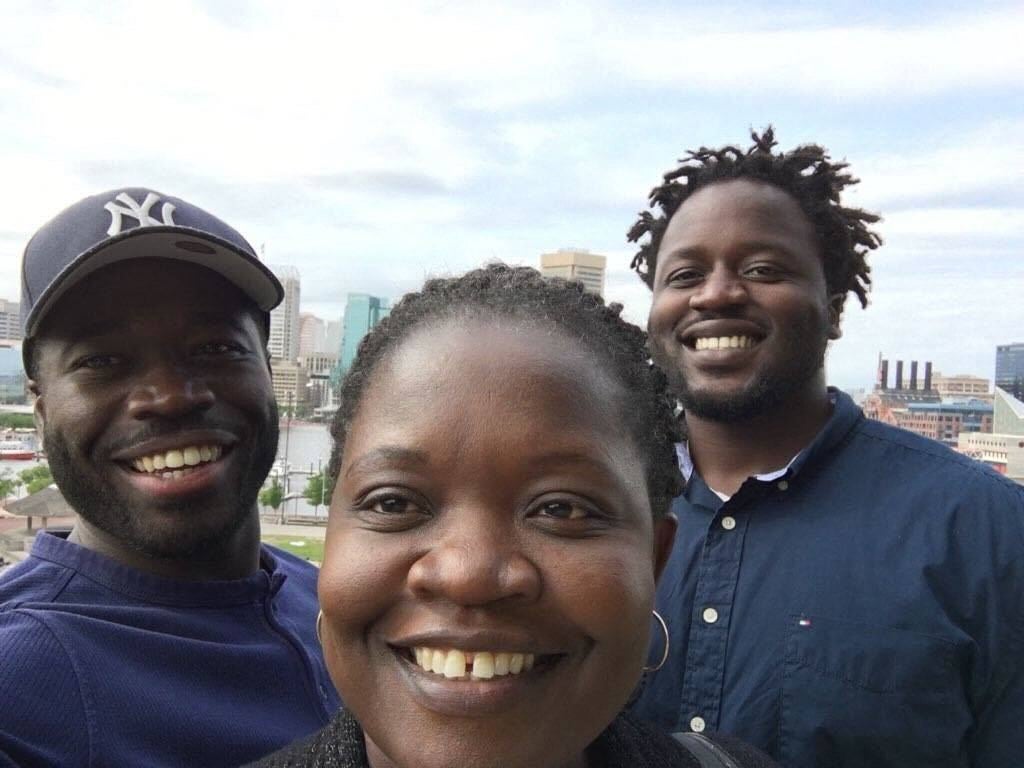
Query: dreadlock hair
[
  {"x": 806, "y": 173},
  {"x": 521, "y": 294}
]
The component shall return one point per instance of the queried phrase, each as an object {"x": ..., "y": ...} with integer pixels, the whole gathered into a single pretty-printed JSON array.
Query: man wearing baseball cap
[{"x": 159, "y": 632}]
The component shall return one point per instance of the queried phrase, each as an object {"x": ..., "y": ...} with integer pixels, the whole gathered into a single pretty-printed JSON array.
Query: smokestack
[
  {"x": 913, "y": 374},
  {"x": 928, "y": 376},
  {"x": 884, "y": 375},
  {"x": 899, "y": 374}
]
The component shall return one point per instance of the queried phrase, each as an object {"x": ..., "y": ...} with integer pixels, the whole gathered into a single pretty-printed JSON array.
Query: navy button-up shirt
[{"x": 865, "y": 608}]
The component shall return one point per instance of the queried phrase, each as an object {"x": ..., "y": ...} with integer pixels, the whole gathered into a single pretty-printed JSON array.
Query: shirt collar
[
  {"x": 265, "y": 582},
  {"x": 844, "y": 415}
]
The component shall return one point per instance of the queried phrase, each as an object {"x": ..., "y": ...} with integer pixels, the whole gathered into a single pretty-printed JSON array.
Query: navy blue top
[
  {"x": 864, "y": 609},
  {"x": 104, "y": 665}
]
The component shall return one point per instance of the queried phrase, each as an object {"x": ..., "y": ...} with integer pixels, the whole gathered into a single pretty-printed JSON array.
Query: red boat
[{"x": 15, "y": 450}]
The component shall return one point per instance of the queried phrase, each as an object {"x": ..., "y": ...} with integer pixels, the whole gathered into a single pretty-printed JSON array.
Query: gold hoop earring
[
  {"x": 319, "y": 621},
  {"x": 664, "y": 653}
]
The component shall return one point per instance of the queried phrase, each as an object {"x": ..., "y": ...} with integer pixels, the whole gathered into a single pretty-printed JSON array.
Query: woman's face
[{"x": 489, "y": 569}]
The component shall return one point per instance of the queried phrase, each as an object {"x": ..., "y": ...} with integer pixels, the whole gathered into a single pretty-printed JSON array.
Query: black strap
[{"x": 708, "y": 754}]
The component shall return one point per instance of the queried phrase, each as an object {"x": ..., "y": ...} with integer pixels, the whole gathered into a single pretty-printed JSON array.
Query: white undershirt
[{"x": 686, "y": 467}]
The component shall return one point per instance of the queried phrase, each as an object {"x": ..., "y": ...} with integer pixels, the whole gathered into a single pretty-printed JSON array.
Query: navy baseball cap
[{"x": 134, "y": 223}]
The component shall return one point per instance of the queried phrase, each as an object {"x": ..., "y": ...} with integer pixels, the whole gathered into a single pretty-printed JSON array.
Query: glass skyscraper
[
  {"x": 1010, "y": 368},
  {"x": 362, "y": 312}
]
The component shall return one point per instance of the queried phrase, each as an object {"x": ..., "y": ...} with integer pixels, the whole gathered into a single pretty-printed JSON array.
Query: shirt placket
[{"x": 717, "y": 576}]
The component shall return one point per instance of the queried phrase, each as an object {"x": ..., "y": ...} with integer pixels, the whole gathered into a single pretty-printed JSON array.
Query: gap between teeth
[
  {"x": 481, "y": 665},
  {"x": 178, "y": 459},
  {"x": 724, "y": 342}
]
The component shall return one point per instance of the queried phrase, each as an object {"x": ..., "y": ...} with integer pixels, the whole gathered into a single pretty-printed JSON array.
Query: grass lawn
[{"x": 309, "y": 549}]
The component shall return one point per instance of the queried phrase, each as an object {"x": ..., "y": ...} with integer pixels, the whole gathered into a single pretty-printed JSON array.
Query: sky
[{"x": 372, "y": 145}]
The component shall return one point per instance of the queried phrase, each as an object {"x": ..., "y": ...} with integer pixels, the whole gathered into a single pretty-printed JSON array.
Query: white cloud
[{"x": 372, "y": 144}]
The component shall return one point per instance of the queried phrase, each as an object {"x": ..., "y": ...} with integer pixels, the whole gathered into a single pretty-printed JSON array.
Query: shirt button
[
  {"x": 728, "y": 522},
  {"x": 710, "y": 615},
  {"x": 783, "y": 485},
  {"x": 697, "y": 725}
]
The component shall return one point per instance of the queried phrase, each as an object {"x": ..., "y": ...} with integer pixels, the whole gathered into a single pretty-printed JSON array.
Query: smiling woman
[{"x": 504, "y": 462}]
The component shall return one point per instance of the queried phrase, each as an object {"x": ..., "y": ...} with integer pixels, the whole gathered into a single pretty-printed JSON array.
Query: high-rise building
[
  {"x": 576, "y": 264},
  {"x": 1010, "y": 368},
  {"x": 319, "y": 368},
  {"x": 290, "y": 391},
  {"x": 362, "y": 312},
  {"x": 332, "y": 337},
  {"x": 284, "y": 319},
  {"x": 12, "y": 376},
  {"x": 10, "y": 320},
  {"x": 312, "y": 335}
]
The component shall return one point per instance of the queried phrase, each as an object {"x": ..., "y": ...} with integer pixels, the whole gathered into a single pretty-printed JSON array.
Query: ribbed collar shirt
[{"x": 104, "y": 665}]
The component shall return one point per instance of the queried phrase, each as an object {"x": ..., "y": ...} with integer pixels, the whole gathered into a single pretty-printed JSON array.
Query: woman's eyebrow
[
  {"x": 566, "y": 458},
  {"x": 387, "y": 456}
]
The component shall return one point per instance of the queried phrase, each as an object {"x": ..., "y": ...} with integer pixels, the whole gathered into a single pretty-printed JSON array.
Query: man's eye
[
  {"x": 392, "y": 505},
  {"x": 98, "y": 362},
  {"x": 220, "y": 348},
  {"x": 387, "y": 510},
  {"x": 563, "y": 510},
  {"x": 763, "y": 270},
  {"x": 684, "y": 277}
]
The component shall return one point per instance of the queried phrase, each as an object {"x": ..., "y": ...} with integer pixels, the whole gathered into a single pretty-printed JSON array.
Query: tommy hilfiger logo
[{"x": 128, "y": 207}]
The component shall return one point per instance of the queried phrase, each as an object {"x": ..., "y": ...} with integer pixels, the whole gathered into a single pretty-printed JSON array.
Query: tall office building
[
  {"x": 12, "y": 376},
  {"x": 1010, "y": 368},
  {"x": 10, "y": 320},
  {"x": 362, "y": 312},
  {"x": 312, "y": 335},
  {"x": 284, "y": 319},
  {"x": 576, "y": 264},
  {"x": 332, "y": 337}
]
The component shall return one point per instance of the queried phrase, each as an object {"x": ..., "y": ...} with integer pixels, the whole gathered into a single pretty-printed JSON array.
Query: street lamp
[{"x": 287, "y": 437}]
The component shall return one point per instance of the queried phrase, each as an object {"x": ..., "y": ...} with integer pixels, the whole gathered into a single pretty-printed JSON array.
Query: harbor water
[{"x": 308, "y": 448}]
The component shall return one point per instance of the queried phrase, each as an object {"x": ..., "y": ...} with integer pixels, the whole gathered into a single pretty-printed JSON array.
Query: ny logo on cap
[{"x": 128, "y": 207}]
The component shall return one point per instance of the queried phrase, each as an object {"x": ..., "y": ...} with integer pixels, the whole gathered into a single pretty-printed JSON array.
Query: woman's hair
[
  {"x": 498, "y": 291},
  {"x": 806, "y": 173}
]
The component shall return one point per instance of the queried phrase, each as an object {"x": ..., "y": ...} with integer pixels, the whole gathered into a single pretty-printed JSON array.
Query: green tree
[
  {"x": 36, "y": 478},
  {"x": 8, "y": 485},
  {"x": 17, "y": 421},
  {"x": 315, "y": 492},
  {"x": 272, "y": 496}
]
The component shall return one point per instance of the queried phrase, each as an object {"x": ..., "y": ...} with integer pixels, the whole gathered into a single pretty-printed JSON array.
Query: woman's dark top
[{"x": 626, "y": 743}]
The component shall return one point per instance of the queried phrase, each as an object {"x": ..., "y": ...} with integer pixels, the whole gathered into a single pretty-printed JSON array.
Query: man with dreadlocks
[{"x": 841, "y": 593}]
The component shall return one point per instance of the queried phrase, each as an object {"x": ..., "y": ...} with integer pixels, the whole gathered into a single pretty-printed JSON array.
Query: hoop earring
[
  {"x": 319, "y": 621},
  {"x": 664, "y": 653}
]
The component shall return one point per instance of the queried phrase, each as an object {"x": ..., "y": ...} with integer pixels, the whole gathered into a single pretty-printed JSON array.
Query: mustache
[
  {"x": 740, "y": 313},
  {"x": 157, "y": 428}
]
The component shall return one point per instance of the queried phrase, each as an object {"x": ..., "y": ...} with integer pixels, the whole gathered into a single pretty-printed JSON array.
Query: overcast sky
[{"x": 372, "y": 144}]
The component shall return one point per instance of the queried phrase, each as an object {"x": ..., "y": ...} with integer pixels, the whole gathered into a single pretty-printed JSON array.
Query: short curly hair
[
  {"x": 499, "y": 291},
  {"x": 806, "y": 173}
]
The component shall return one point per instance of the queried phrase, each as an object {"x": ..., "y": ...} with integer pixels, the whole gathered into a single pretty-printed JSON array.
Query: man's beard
[
  {"x": 99, "y": 503},
  {"x": 800, "y": 359}
]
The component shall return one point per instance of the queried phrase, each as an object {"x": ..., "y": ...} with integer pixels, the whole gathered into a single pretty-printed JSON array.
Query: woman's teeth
[
  {"x": 176, "y": 462},
  {"x": 724, "y": 342},
  {"x": 481, "y": 665}
]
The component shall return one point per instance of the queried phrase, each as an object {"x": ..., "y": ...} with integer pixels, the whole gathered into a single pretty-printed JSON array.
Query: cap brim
[{"x": 237, "y": 266}]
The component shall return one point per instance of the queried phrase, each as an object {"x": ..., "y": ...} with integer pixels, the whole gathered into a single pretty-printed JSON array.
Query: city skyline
[{"x": 380, "y": 145}]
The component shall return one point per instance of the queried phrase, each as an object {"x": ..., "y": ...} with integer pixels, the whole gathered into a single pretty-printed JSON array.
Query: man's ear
[
  {"x": 835, "y": 315},
  {"x": 664, "y": 538},
  {"x": 38, "y": 407}
]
